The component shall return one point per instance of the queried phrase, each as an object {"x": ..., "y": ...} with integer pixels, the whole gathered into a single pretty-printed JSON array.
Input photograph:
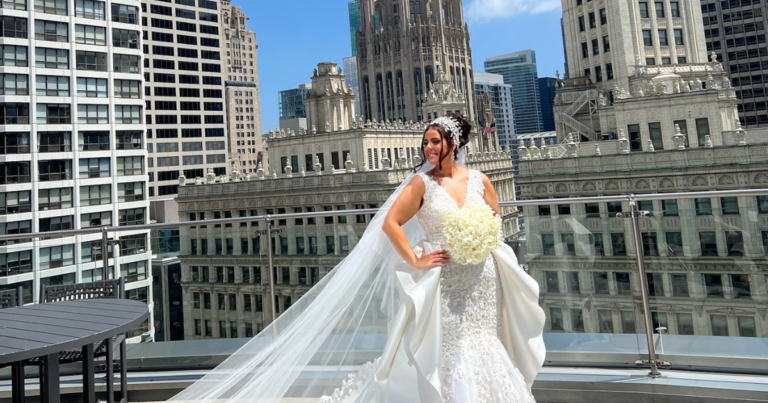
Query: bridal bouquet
[{"x": 471, "y": 233}]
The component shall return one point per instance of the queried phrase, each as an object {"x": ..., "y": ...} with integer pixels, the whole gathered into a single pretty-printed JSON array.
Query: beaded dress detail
[{"x": 476, "y": 367}]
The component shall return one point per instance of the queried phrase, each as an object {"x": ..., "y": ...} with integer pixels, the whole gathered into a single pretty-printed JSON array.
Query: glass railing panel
[
  {"x": 583, "y": 260},
  {"x": 705, "y": 260}
]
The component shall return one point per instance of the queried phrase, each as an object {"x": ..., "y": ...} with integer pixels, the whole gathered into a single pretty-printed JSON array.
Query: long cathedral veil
[{"x": 336, "y": 327}]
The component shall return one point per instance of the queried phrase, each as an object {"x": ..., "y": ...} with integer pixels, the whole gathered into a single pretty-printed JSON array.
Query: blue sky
[{"x": 294, "y": 35}]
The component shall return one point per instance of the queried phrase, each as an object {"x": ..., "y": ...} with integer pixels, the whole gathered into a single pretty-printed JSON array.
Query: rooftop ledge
[{"x": 580, "y": 368}]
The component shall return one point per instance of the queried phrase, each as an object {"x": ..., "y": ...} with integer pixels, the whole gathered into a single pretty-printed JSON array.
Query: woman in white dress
[
  {"x": 424, "y": 328},
  {"x": 475, "y": 365}
]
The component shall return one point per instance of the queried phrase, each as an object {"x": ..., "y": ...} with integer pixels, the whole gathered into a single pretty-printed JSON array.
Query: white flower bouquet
[{"x": 471, "y": 233}]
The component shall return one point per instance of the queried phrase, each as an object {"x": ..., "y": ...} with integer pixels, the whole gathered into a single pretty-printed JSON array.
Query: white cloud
[{"x": 485, "y": 10}]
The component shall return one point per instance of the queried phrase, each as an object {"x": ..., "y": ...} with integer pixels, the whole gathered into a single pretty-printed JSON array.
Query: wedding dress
[
  {"x": 475, "y": 365},
  {"x": 458, "y": 334}
]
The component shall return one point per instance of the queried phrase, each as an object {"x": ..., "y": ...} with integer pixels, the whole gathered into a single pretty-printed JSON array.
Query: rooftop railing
[{"x": 665, "y": 280}]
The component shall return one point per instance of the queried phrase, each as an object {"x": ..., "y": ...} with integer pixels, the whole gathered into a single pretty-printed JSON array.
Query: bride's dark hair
[{"x": 465, "y": 128}]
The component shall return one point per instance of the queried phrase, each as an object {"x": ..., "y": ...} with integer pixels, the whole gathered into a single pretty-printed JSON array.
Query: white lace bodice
[{"x": 437, "y": 201}]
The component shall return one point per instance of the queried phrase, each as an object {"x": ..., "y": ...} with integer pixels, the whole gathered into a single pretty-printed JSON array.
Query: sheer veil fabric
[{"x": 375, "y": 311}]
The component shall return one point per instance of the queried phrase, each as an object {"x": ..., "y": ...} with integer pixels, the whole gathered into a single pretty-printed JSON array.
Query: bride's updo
[{"x": 464, "y": 128}]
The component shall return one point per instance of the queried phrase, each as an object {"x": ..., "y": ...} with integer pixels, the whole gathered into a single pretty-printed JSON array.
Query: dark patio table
[{"x": 45, "y": 330}]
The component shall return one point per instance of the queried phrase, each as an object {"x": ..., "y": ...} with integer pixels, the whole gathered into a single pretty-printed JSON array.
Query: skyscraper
[
  {"x": 73, "y": 148},
  {"x": 400, "y": 45},
  {"x": 742, "y": 53},
  {"x": 519, "y": 71},
  {"x": 242, "y": 90},
  {"x": 354, "y": 24},
  {"x": 352, "y": 79},
  {"x": 293, "y": 114},
  {"x": 184, "y": 70},
  {"x": 547, "y": 93},
  {"x": 622, "y": 55},
  {"x": 500, "y": 96}
]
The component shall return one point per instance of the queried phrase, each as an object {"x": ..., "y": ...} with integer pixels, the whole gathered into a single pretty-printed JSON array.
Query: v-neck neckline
[{"x": 466, "y": 192}]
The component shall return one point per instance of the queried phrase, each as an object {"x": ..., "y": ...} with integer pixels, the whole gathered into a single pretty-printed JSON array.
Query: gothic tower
[{"x": 400, "y": 45}]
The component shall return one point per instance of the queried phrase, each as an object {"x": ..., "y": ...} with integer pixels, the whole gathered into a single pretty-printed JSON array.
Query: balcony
[{"x": 671, "y": 284}]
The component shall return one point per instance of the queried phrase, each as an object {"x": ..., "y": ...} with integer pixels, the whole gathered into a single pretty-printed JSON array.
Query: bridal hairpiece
[{"x": 450, "y": 125}]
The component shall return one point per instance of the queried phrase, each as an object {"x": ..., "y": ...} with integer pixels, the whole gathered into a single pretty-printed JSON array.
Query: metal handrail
[
  {"x": 634, "y": 214},
  {"x": 319, "y": 214}
]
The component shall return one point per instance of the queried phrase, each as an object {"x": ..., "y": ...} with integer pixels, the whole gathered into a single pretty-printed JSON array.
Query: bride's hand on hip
[{"x": 430, "y": 261}]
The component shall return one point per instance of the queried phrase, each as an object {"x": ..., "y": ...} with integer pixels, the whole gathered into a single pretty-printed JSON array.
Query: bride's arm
[
  {"x": 490, "y": 196},
  {"x": 404, "y": 208}
]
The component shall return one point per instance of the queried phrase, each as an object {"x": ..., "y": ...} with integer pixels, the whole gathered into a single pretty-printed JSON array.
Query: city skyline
[{"x": 281, "y": 67}]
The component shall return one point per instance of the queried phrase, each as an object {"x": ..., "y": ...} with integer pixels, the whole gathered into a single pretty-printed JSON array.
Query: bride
[{"x": 424, "y": 325}]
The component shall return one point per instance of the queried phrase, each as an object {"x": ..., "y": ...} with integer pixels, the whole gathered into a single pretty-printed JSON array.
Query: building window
[
  {"x": 628, "y": 322},
  {"x": 569, "y": 246},
  {"x": 655, "y": 284},
  {"x": 714, "y": 285},
  {"x": 131, "y": 217},
  {"x": 601, "y": 283},
  {"x": 128, "y": 166},
  {"x": 553, "y": 282},
  {"x": 605, "y": 321},
  {"x": 659, "y": 321},
  {"x": 572, "y": 281},
  {"x": 592, "y": 23},
  {"x": 548, "y": 244},
  {"x": 89, "y": 9},
  {"x": 577, "y": 320},
  {"x": 719, "y": 325},
  {"x": 684, "y": 323},
  {"x": 735, "y": 242},
  {"x": 58, "y": 7},
  {"x": 582, "y": 25},
  {"x": 680, "y": 285},
  {"x": 663, "y": 38},
  {"x": 730, "y": 205},
  {"x": 670, "y": 208},
  {"x": 606, "y": 44},
  {"x": 51, "y": 31},
  {"x": 619, "y": 245},
  {"x": 650, "y": 244},
  {"x": 654, "y": 130},
  {"x": 746, "y": 326},
  {"x": 49, "y": 142},
  {"x": 127, "y": 114},
  {"x": 91, "y": 61},
  {"x": 679, "y": 37},
  {"x": 623, "y": 284},
  {"x": 595, "y": 47},
  {"x": 647, "y": 41},
  {"x": 90, "y": 35},
  {"x": 545, "y": 210},
  {"x": 45, "y": 58},
  {"x": 556, "y": 318},
  {"x": 603, "y": 17},
  {"x": 741, "y": 286},
  {"x": 598, "y": 74},
  {"x": 708, "y": 243},
  {"x": 584, "y": 50},
  {"x": 675, "y": 243},
  {"x": 703, "y": 206},
  {"x": 94, "y": 168},
  {"x": 643, "y": 9},
  {"x": 614, "y": 208},
  {"x": 702, "y": 130},
  {"x": 95, "y": 195},
  {"x": 609, "y": 71},
  {"x": 593, "y": 209}
]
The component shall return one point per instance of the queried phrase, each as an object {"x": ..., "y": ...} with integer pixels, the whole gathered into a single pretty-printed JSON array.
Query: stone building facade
[
  {"x": 624, "y": 52},
  {"x": 242, "y": 89},
  {"x": 705, "y": 258},
  {"x": 399, "y": 45},
  {"x": 224, "y": 270}
]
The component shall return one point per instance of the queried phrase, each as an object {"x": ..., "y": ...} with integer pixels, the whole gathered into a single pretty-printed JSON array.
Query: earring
[{"x": 453, "y": 156}]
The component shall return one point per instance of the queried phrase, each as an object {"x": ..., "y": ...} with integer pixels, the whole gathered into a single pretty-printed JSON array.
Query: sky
[{"x": 295, "y": 35}]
